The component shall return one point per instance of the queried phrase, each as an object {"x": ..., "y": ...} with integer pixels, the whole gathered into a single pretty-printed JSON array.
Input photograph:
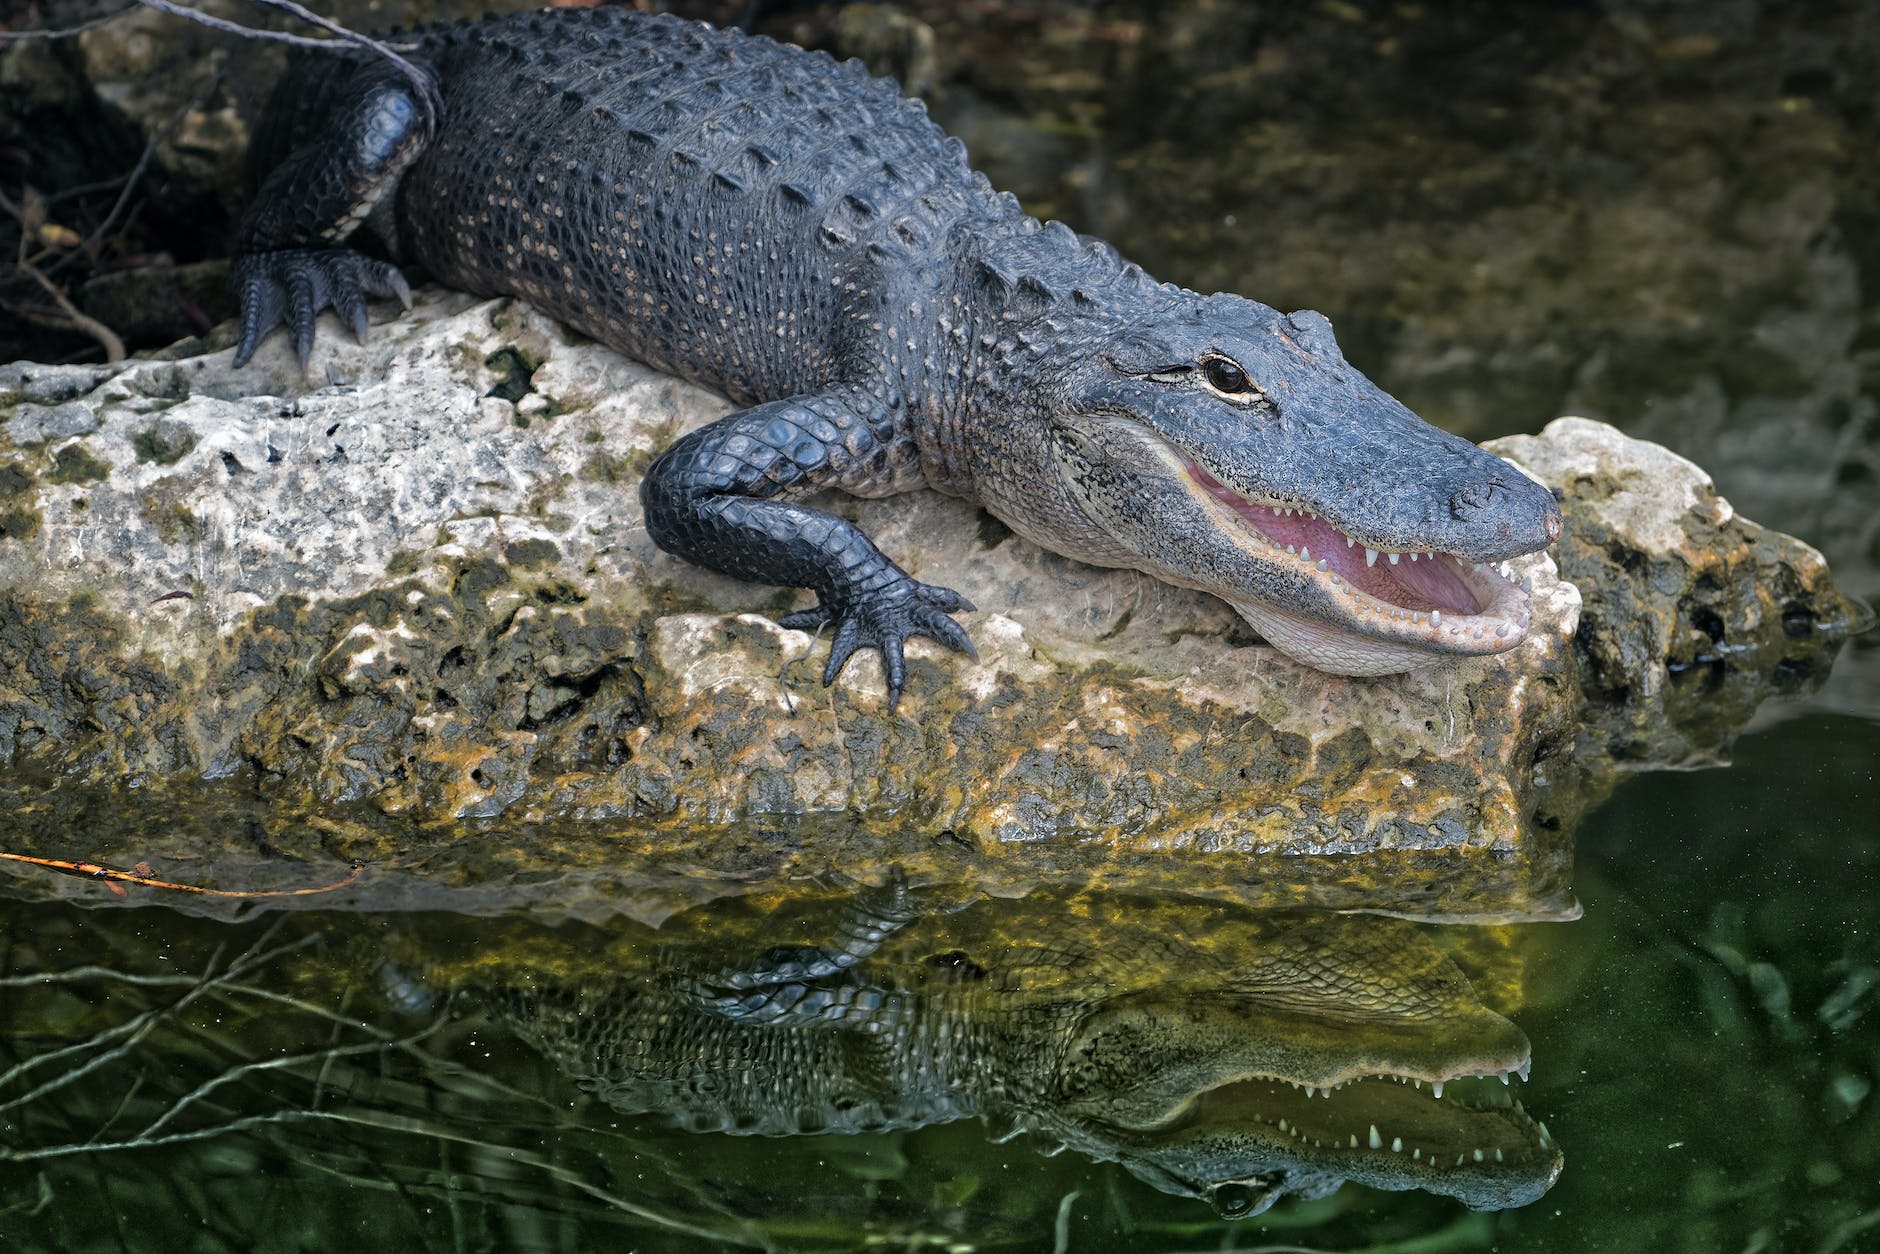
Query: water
[{"x": 1664, "y": 216}]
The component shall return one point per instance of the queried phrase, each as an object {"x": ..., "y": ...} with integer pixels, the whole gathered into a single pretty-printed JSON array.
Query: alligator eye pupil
[
  {"x": 1225, "y": 376},
  {"x": 1232, "y": 1201}
]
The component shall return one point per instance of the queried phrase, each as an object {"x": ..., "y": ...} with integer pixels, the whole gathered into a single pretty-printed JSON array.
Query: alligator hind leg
[
  {"x": 717, "y": 498},
  {"x": 290, "y": 260}
]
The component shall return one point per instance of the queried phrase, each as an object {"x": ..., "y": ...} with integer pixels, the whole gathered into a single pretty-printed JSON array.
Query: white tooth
[
  {"x": 1436, "y": 1087},
  {"x": 1289, "y": 548},
  {"x": 1498, "y": 1157},
  {"x": 1370, "y": 557},
  {"x": 1413, "y": 557},
  {"x": 1545, "y": 1139},
  {"x": 1394, "y": 557},
  {"x": 1377, "y": 1142},
  {"x": 1311, "y": 1092},
  {"x": 1459, "y": 1158},
  {"x": 1305, "y": 554},
  {"x": 1436, "y": 618},
  {"x": 1349, "y": 542},
  {"x": 1396, "y": 1145},
  {"x": 1523, "y": 1069},
  {"x": 1416, "y": 1153},
  {"x": 1278, "y": 512},
  {"x": 1321, "y": 563},
  {"x": 1282, "y": 1125},
  {"x": 1504, "y": 1079},
  {"x": 1418, "y": 1083},
  {"x": 1354, "y": 1140},
  {"x": 1501, "y": 631},
  {"x": 1479, "y": 1156}
]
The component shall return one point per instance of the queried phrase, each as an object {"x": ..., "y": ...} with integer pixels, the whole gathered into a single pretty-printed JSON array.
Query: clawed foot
[
  {"x": 884, "y": 621},
  {"x": 293, "y": 285}
]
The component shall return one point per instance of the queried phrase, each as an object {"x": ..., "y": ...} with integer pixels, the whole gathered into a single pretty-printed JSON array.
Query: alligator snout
[{"x": 1513, "y": 514}]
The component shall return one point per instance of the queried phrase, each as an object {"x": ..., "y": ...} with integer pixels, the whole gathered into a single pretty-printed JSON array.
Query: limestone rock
[{"x": 415, "y": 580}]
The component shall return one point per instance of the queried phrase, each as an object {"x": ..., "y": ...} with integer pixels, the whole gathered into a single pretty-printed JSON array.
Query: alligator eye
[
  {"x": 1239, "y": 1199},
  {"x": 1225, "y": 376},
  {"x": 1231, "y": 1201}
]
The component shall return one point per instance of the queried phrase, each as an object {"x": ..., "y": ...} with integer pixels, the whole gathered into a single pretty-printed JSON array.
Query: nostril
[{"x": 1472, "y": 499}]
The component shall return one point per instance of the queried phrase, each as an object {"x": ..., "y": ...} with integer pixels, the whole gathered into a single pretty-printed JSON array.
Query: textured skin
[
  {"x": 794, "y": 234},
  {"x": 1085, "y": 1039}
]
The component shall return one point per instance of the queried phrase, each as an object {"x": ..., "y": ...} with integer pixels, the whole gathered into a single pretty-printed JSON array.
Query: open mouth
[
  {"x": 1460, "y": 605},
  {"x": 1479, "y": 1123}
]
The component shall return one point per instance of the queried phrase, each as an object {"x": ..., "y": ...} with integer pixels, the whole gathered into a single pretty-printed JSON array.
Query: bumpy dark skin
[{"x": 794, "y": 234}]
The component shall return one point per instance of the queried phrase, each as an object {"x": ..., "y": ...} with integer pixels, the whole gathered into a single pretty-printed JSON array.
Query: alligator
[
  {"x": 1273, "y": 1056},
  {"x": 796, "y": 235}
]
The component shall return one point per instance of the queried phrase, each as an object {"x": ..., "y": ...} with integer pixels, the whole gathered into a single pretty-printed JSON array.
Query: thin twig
[
  {"x": 136, "y": 1029},
  {"x": 137, "y": 173},
  {"x": 95, "y": 871},
  {"x": 63, "y": 32},
  {"x": 424, "y": 86},
  {"x": 409, "y": 1126},
  {"x": 271, "y": 1064},
  {"x": 236, "y": 28},
  {"x": 113, "y": 346}
]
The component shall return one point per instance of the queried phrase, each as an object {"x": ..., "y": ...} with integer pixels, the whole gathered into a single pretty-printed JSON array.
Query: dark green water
[
  {"x": 1665, "y": 216},
  {"x": 1704, "y": 1045}
]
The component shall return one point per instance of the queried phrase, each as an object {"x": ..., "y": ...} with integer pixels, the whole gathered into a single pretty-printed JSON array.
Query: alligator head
[
  {"x": 1222, "y": 1118},
  {"x": 1219, "y": 444},
  {"x": 1342, "y": 1049}
]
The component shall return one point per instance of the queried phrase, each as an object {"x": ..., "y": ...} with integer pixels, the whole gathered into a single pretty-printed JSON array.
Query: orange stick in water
[{"x": 93, "y": 871}]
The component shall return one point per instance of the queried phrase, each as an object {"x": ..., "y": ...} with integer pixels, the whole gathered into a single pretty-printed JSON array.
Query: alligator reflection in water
[{"x": 1214, "y": 1052}]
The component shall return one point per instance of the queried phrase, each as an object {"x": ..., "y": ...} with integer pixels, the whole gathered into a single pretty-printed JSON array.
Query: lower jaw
[{"x": 1338, "y": 652}]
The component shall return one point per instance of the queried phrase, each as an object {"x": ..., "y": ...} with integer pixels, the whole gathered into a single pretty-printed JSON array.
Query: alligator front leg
[
  {"x": 290, "y": 263},
  {"x": 718, "y": 497}
]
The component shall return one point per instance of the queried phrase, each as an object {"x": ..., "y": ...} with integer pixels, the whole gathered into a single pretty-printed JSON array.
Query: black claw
[
  {"x": 893, "y": 669},
  {"x": 884, "y": 623},
  {"x": 350, "y": 304},
  {"x": 842, "y": 648},
  {"x": 954, "y": 637},
  {"x": 291, "y": 287}
]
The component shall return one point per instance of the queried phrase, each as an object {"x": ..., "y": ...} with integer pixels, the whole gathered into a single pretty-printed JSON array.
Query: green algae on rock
[{"x": 369, "y": 584}]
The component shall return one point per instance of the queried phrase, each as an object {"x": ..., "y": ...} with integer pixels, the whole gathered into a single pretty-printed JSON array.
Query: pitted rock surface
[{"x": 416, "y": 579}]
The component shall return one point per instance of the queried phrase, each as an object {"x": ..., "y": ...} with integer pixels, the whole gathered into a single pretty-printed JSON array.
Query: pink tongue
[
  {"x": 1425, "y": 584},
  {"x": 1430, "y": 584}
]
